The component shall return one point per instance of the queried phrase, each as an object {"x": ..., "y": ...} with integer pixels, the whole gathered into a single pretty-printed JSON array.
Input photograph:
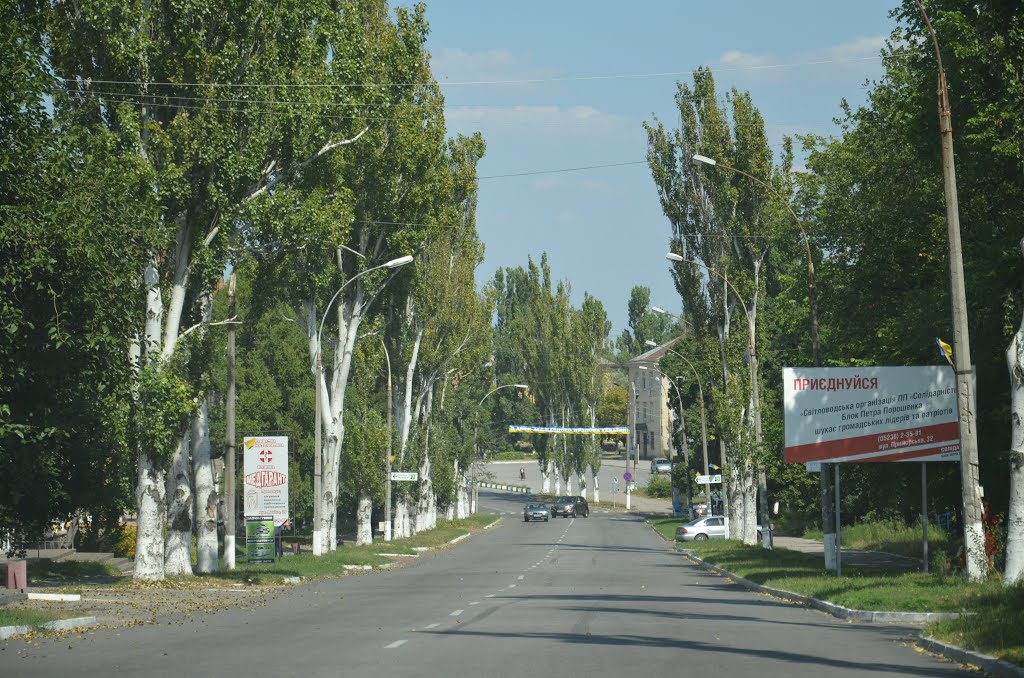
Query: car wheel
[
  {"x": 759, "y": 535},
  {"x": 701, "y": 537},
  {"x": 545, "y": 520},
  {"x": 573, "y": 514}
]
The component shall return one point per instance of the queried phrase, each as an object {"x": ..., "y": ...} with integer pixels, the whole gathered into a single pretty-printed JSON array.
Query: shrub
[
  {"x": 659, "y": 487},
  {"x": 124, "y": 547}
]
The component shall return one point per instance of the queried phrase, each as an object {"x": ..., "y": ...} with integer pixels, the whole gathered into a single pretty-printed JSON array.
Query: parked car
[
  {"x": 711, "y": 527},
  {"x": 661, "y": 465},
  {"x": 570, "y": 507},
  {"x": 535, "y": 512}
]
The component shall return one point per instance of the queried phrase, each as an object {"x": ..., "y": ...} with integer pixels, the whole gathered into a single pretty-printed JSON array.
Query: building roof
[{"x": 655, "y": 354}]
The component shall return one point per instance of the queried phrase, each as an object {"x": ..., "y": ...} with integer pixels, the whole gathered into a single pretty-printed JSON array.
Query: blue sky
[{"x": 568, "y": 83}]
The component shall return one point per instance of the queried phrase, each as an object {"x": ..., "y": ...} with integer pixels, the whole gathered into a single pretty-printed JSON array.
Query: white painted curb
[{"x": 59, "y": 625}]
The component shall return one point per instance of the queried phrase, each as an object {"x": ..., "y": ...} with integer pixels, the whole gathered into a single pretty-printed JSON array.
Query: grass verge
[
  {"x": 68, "y": 570},
  {"x": 891, "y": 537},
  {"x": 991, "y": 621},
  {"x": 32, "y": 618}
]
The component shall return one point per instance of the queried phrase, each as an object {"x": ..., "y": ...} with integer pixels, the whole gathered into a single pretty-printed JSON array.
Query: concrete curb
[
  {"x": 824, "y": 606},
  {"x": 59, "y": 625},
  {"x": 990, "y": 665}
]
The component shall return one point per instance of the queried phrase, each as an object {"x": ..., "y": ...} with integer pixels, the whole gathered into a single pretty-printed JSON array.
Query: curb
[
  {"x": 823, "y": 606},
  {"x": 59, "y": 625},
  {"x": 990, "y": 665}
]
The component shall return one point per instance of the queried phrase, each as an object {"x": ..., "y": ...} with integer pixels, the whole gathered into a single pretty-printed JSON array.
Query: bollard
[{"x": 17, "y": 575}]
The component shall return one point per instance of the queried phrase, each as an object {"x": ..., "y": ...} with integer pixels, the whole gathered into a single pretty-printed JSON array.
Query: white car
[
  {"x": 711, "y": 527},
  {"x": 661, "y": 465}
]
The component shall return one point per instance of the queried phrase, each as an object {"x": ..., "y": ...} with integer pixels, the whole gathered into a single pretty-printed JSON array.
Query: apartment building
[{"x": 650, "y": 416}]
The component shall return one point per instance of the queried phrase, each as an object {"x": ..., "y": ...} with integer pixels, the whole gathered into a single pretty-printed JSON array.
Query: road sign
[
  {"x": 709, "y": 480},
  {"x": 627, "y": 476},
  {"x": 403, "y": 475}
]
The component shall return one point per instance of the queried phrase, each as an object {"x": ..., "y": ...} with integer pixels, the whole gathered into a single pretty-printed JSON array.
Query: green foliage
[
  {"x": 659, "y": 487},
  {"x": 165, "y": 404}
]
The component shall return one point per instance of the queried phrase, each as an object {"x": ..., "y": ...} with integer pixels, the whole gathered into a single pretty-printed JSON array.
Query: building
[{"x": 650, "y": 414}]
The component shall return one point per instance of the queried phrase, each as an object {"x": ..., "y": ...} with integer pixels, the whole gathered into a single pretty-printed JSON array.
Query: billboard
[
  {"x": 869, "y": 414},
  {"x": 266, "y": 477}
]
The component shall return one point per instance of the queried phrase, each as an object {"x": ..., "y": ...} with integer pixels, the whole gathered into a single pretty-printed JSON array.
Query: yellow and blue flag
[{"x": 945, "y": 350}]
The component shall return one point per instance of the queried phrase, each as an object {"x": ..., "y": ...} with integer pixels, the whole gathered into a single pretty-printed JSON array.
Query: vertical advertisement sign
[
  {"x": 259, "y": 539},
  {"x": 266, "y": 478}
]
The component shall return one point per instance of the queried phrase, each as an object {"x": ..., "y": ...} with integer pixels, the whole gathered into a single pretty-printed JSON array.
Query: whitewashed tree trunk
[
  {"x": 735, "y": 500},
  {"x": 581, "y": 482},
  {"x": 596, "y": 485},
  {"x": 364, "y": 520},
  {"x": 401, "y": 527},
  {"x": 207, "y": 500},
  {"x": 462, "y": 494},
  {"x": 1015, "y": 516},
  {"x": 749, "y": 505},
  {"x": 423, "y": 508},
  {"x": 545, "y": 473},
  {"x": 149, "y": 538},
  {"x": 568, "y": 484},
  {"x": 178, "y": 544}
]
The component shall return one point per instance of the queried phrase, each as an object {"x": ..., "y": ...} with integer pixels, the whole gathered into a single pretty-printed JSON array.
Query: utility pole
[
  {"x": 970, "y": 486},
  {"x": 229, "y": 440},
  {"x": 387, "y": 474}
]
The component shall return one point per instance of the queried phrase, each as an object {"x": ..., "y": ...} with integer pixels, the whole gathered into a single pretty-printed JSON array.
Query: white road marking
[
  {"x": 475, "y": 602},
  {"x": 511, "y": 586},
  {"x": 490, "y": 595},
  {"x": 431, "y": 626},
  {"x": 520, "y": 577},
  {"x": 456, "y": 613},
  {"x": 397, "y": 643}
]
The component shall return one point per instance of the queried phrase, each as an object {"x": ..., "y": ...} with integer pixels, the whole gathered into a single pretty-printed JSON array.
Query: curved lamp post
[
  {"x": 827, "y": 517},
  {"x": 318, "y": 548},
  {"x": 476, "y": 426},
  {"x": 755, "y": 390}
]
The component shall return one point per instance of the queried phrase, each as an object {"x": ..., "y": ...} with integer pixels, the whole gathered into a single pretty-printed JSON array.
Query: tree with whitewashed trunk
[{"x": 1014, "y": 573}]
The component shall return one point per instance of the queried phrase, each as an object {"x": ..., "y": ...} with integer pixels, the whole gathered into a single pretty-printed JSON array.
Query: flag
[{"x": 945, "y": 350}]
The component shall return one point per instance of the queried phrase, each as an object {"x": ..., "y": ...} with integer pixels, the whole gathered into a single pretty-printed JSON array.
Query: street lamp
[
  {"x": 686, "y": 454},
  {"x": 755, "y": 391},
  {"x": 476, "y": 426},
  {"x": 387, "y": 463},
  {"x": 828, "y": 523},
  {"x": 974, "y": 537},
  {"x": 318, "y": 547},
  {"x": 703, "y": 420}
]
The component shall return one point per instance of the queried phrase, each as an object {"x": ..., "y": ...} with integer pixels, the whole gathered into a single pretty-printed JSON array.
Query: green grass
[
  {"x": 33, "y": 618},
  {"x": 68, "y": 570},
  {"x": 332, "y": 563},
  {"x": 666, "y": 527},
  {"x": 890, "y": 536},
  {"x": 511, "y": 455},
  {"x": 992, "y": 618}
]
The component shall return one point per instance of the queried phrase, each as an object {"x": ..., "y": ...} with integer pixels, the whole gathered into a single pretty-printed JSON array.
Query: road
[
  {"x": 508, "y": 472},
  {"x": 600, "y": 596}
]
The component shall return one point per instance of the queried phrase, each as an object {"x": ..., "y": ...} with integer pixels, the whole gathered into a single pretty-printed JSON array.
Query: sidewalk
[{"x": 851, "y": 557}]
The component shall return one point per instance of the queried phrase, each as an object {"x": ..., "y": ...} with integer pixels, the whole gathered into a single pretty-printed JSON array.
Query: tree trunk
[
  {"x": 1015, "y": 515},
  {"x": 206, "y": 493},
  {"x": 734, "y": 499},
  {"x": 423, "y": 508},
  {"x": 149, "y": 539},
  {"x": 749, "y": 505},
  {"x": 545, "y": 473},
  {"x": 762, "y": 492},
  {"x": 178, "y": 545},
  {"x": 401, "y": 526},
  {"x": 597, "y": 493},
  {"x": 364, "y": 520}
]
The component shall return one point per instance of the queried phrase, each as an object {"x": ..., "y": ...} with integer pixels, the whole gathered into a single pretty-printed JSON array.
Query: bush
[
  {"x": 659, "y": 488},
  {"x": 508, "y": 455},
  {"x": 124, "y": 547}
]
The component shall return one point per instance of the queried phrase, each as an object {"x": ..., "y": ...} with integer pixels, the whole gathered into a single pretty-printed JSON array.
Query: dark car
[
  {"x": 570, "y": 507},
  {"x": 535, "y": 512}
]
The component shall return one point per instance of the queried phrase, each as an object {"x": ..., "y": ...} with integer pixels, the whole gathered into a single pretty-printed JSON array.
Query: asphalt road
[
  {"x": 508, "y": 472},
  {"x": 597, "y": 596}
]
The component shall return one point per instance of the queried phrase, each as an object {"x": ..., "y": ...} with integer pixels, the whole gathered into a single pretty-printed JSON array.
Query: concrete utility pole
[
  {"x": 387, "y": 474},
  {"x": 229, "y": 440},
  {"x": 970, "y": 486}
]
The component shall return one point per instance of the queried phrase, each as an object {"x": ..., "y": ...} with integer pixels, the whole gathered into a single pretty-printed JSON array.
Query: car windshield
[
  {"x": 535, "y": 507},
  {"x": 566, "y": 500}
]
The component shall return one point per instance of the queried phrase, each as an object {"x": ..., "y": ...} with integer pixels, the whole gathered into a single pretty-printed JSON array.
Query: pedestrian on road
[{"x": 522, "y": 473}]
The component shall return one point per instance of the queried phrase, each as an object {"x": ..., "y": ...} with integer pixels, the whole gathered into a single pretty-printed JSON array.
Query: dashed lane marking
[
  {"x": 475, "y": 602},
  {"x": 456, "y": 613},
  {"x": 430, "y": 626},
  {"x": 521, "y": 577},
  {"x": 397, "y": 643},
  {"x": 511, "y": 586}
]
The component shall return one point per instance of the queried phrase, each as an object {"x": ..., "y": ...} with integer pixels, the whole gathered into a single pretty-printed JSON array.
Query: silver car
[
  {"x": 711, "y": 527},
  {"x": 535, "y": 512},
  {"x": 661, "y": 465}
]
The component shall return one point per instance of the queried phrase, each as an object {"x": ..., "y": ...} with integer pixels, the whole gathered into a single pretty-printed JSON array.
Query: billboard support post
[
  {"x": 924, "y": 516},
  {"x": 839, "y": 529}
]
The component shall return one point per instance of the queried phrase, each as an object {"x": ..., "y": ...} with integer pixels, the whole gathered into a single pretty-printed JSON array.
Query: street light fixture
[
  {"x": 318, "y": 547},
  {"x": 755, "y": 391},
  {"x": 476, "y": 427},
  {"x": 703, "y": 420},
  {"x": 827, "y": 517}
]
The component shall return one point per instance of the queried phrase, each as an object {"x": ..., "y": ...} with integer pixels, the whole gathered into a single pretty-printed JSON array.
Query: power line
[{"x": 520, "y": 81}]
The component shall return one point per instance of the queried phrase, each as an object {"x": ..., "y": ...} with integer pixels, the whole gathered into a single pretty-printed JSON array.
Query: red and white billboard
[
  {"x": 862, "y": 414},
  {"x": 266, "y": 477}
]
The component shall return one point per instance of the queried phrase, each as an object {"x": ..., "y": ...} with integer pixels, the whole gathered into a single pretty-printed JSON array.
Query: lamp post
[
  {"x": 827, "y": 517},
  {"x": 476, "y": 426},
  {"x": 703, "y": 420},
  {"x": 387, "y": 463},
  {"x": 686, "y": 454},
  {"x": 318, "y": 547},
  {"x": 974, "y": 537},
  {"x": 755, "y": 391}
]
